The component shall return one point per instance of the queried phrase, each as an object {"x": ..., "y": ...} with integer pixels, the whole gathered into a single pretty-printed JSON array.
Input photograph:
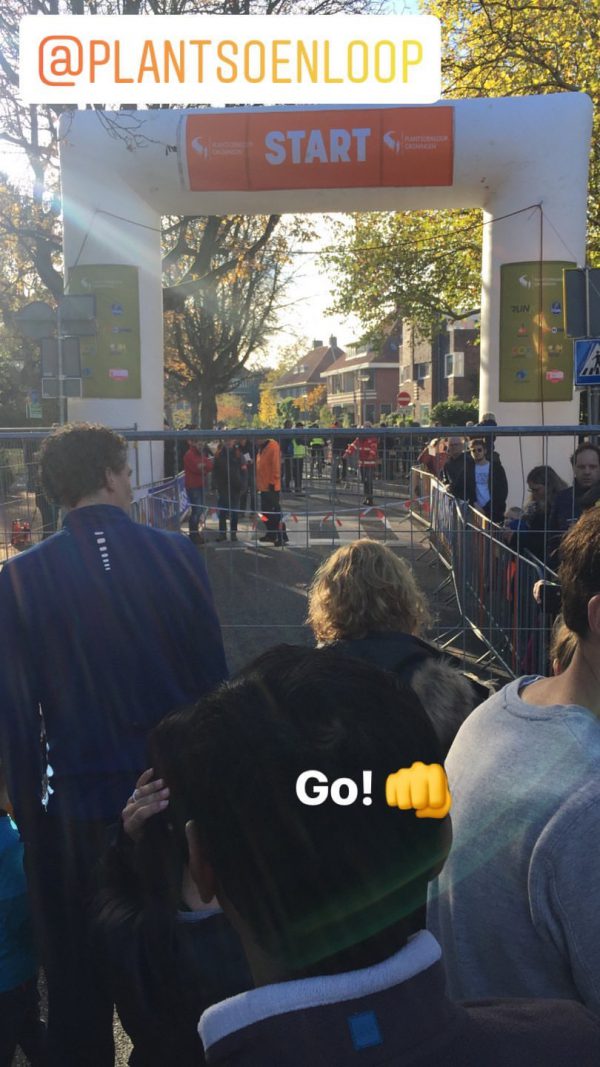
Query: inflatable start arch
[{"x": 522, "y": 160}]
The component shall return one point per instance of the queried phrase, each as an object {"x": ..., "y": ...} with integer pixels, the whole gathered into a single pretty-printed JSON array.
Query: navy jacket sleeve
[{"x": 206, "y": 638}]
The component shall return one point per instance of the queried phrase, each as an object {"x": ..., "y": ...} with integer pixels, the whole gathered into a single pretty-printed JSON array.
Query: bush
[{"x": 455, "y": 412}]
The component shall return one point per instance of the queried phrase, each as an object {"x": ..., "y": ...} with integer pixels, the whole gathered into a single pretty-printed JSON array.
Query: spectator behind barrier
[
  {"x": 524, "y": 874},
  {"x": 533, "y": 530},
  {"x": 434, "y": 456},
  {"x": 482, "y": 482},
  {"x": 268, "y": 484},
  {"x": 364, "y": 601},
  {"x": 165, "y": 954},
  {"x": 569, "y": 504},
  {"x": 453, "y": 471},
  {"x": 367, "y": 461},
  {"x": 327, "y": 897},
  {"x": 228, "y": 475},
  {"x": 196, "y": 469},
  {"x": 488, "y": 419}
]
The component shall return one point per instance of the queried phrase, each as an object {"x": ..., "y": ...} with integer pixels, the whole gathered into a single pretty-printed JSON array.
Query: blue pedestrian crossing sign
[{"x": 587, "y": 362}]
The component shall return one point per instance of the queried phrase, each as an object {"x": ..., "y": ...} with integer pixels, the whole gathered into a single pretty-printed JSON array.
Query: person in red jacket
[
  {"x": 196, "y": 468},
  {"x": 367, "y": 461}
]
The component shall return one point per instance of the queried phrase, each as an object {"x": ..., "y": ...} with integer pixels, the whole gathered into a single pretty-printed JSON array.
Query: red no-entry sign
[{"x": 403, "y": 400}]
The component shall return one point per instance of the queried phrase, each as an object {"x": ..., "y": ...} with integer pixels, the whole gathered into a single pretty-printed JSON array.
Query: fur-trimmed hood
[{"x": 447, "y": 694}]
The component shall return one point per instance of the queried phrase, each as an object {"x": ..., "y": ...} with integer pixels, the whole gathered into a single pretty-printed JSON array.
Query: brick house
[
  {"x": 447, "y": 367},
  {"x": 363, "y": 383},
  {"x": 305, "y": 375}
]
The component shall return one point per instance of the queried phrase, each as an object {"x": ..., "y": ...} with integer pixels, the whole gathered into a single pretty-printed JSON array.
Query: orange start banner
[{"x": 402, "y": 147}]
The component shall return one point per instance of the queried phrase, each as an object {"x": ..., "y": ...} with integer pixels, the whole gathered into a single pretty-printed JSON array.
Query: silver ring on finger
[{"x": 135, "y": 795}]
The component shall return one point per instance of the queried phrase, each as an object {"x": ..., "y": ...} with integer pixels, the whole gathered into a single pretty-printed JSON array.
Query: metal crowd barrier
[
  {"x": 328, "y": 507},
  {"x": 492, "y": 582},
  {"x": 162, "y": 505}
]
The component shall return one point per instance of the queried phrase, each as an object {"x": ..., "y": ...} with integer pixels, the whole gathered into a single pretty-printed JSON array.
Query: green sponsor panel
[
  {"x": 111, "y": 361},
  {"x": 536, "y": 356}
]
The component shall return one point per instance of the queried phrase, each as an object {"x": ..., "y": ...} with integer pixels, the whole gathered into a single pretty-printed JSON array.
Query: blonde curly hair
[{"x": 365, "y": 588}]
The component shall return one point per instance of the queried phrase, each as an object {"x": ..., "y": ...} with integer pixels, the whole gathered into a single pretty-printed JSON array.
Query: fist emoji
[{"x": 423, "y": 787}]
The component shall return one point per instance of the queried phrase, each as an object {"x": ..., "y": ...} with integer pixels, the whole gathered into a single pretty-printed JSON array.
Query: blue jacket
[
  {"x": 106, "y": 627},
  {"x": 17, "y": 959}
]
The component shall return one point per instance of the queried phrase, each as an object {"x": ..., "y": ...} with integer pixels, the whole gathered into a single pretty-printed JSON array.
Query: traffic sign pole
[{"x": 61, "y": 406}]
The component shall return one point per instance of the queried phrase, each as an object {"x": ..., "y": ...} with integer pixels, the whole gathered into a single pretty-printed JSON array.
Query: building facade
[
  {"x": 362, "y": 384},
  {"x": 305, "y": 375},
  {"x": 441, "y": 369}
]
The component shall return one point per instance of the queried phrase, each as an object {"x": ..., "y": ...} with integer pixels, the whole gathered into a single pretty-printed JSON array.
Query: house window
[
  {"x": 385, "y": 409},
  {"x": 368, "y": 382},
  {"x": 347, "y": 383},
  {"x": 422, "y": 371},
  {"x": 454, "y": 365}
]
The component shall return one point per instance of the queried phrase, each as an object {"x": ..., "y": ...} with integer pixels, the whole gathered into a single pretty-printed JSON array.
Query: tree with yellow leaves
[
  {"x": 426, "y": 264},
  {"x": 267, "y": 408},
  {"x": 512, "y": 48}
]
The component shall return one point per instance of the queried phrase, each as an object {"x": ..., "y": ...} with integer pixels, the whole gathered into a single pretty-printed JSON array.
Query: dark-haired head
[
  {"x": 307, "y": 883},
  {"x": 544, "y": 483},
  {"x": 586, "y": 465}
]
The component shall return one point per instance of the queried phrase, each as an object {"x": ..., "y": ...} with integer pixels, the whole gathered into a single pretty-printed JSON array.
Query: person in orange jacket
[
  {"x": 367, "y": 461},
  {"x": 268, "y": 483}
]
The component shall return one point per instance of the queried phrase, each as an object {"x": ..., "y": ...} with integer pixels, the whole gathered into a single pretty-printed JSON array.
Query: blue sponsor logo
[{"x": 364, "y": 1030}]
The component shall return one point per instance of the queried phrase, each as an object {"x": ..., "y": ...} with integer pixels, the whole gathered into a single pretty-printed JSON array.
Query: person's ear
[
  {"x": 201, "y": 870},
  {"x": 593, "y": 612}
]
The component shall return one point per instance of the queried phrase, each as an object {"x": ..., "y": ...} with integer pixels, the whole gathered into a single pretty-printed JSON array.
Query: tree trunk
[
  {"x": 194, "y": 408},
  {"x": 208, "y": 407}
]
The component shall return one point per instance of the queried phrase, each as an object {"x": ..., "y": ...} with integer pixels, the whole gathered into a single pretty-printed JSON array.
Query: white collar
[{"x": 238, "y": 1012}]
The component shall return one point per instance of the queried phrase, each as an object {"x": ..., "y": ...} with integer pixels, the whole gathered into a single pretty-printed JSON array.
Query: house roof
[
  {"x": 360, "y": 360},
  {"x": 307, "y": 371}
]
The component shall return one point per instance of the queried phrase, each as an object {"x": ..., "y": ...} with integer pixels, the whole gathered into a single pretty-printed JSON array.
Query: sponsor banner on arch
[
  {"x": 111, "y": 360},
  {"x": 536, "y": 356},
  {"x": 395, "y": 147}
]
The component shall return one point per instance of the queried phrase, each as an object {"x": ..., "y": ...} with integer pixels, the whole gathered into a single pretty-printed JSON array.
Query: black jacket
[
  {"x": 227, "y": 471},
  {"x": 464, "y": 487},
  {"x": 445, "y": 691}
]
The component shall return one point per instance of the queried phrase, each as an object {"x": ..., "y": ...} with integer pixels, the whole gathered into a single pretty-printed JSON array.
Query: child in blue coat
[{"x": 20, "y": 1022}]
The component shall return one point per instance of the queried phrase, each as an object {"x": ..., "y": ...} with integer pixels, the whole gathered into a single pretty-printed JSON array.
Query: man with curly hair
[{"x": 107, "y": 626}]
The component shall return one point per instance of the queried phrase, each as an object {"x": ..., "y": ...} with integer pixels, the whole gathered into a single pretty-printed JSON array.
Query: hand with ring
[{"x": 149, "y": 797}]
